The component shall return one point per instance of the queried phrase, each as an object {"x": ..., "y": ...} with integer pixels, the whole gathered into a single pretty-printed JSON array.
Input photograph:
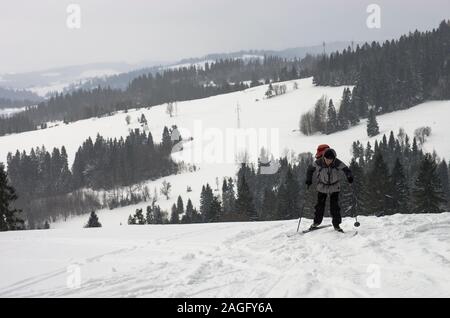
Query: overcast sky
[{"x": 34, "y": 35}]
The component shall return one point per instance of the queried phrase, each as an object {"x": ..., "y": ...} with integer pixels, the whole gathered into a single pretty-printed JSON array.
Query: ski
[
  {"x": 309, "y": 230},
  {"x": 315, "y": 229}
]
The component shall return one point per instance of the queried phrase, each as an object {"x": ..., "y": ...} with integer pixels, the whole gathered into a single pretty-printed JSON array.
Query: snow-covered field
[
  {"x": 396, "y": 256},
  {"x": 402, "y": 255},
  {"x": 60, "y": 85},
  {"x": 208, "y": 120},
  {"x": 5, "y": 112}
]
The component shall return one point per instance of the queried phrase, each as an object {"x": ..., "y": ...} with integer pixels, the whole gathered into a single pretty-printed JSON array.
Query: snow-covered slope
[
  {"x": 5, "y": 112},
  {"x": 396, "y": 256},
  {"x": 216, "y": 115}
]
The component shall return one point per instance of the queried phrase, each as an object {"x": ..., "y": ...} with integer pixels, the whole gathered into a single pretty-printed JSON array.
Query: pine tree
[
  {"x": 149, "y": 218},
  {"x": 228, "y": 196},
  {"x": 356, "y": 109},
  {"x": 159, "y": 216},
  {"x": 344, "y": 110},
  {"x": 180, "y": 205},
  {"x": 288, "y": 197},
  {"x": 320, "y": 115},
  {"x": 332, "y": 121},
  {"x": 378, "y": 187},
  {"x": 368, "y": 153},
  {"x": 174, "y": 216},
  {"x": 427, "y": 193},
  {"x": 359, "y": 188},
  {"x": 131, "y": 220},
  {"x": 400, "y": 189},
  {"x": 9, "y": 217},
  {"x": 269, "y": 206},
  {"x": 244, "y": 203},
  {"x": 93, "y": 221},
  {"x": 167, "y": 143},
  {"x": 139, "y": 217},
  {"x": 206, "y": 199},
  {"x": 443, "y": 172},
  {"x": 215, "y": 209},
  {"x": 372, "y": 125},
  {"x": 143, "y": 120},
  {"x": 189, "y": 216}
]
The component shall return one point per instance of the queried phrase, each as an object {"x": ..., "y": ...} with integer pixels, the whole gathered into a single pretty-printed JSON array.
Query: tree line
[
  {"x": 395, "y": 75},
  {"x": 170, "y": 85},
  {"x": 393, "y": 175},
  {"x": 324, "y": 117},
  {"x": 155, "y": 215},
  {"x": 396, "y": 176},
  {"x": 47, "y": 187}
]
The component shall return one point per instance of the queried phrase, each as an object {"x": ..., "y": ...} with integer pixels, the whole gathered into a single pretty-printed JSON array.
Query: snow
[
  {"x": 200, "y": 64},
  {"x": 60, "y": 85},
  {"x": 53, "y": 87},
  {"x": 5, "y": 112},
  {"x": 97, "y": 73},
  {"x": 395, "y": 256},
  {"x": 210, "y": 121}
]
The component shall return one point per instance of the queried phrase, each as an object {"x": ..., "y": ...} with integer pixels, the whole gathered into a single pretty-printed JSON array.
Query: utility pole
[
  {"x": 238, "y": 111},
  {"x": 324, "y": 52}
]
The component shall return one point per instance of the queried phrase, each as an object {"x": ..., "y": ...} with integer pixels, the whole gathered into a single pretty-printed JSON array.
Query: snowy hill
[
  {"x": 396, "y": 256},
  {"x": 216, "y": 115}
]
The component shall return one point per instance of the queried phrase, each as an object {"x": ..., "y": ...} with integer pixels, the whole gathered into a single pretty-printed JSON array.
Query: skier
[{"x": 328, "y": 168}]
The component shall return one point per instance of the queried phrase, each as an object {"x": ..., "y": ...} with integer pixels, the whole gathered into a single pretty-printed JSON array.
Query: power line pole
[{"x": 238, "y": 110}]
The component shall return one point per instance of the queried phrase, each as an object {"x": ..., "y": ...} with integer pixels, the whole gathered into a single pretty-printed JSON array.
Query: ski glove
[
  {"x": 308, "y": 183},
  {"x": 350, "y": 179}
]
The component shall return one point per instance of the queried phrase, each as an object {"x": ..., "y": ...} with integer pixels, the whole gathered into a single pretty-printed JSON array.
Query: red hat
[{"x": 321, "y": 150}]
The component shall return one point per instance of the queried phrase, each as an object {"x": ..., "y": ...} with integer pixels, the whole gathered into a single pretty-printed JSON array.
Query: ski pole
[
  {"x": 355, "y": 204},
  {"x": 301, "y": 211}
]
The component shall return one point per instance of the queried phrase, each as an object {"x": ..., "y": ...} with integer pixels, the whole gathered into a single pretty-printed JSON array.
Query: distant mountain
[
  {"x": 121, "y": 81},
  {"x": 57, "y": 79},
  {"x": 119, "y": 75},
  {"x": 17, "y": 98},
  {"x": 290, "y": 53}
]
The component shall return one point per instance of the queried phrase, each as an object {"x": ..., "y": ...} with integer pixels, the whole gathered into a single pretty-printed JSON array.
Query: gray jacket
[{"x": 328, "y": 176}]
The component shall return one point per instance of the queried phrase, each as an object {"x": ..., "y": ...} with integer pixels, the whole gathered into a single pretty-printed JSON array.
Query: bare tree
[
  {"x": 165, "y": 189},
  {"x": 170, "y": 109},
  {"x": 421, "y": 134}
]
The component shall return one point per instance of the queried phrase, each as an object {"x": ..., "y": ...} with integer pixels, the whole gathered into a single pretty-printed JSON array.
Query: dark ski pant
[{"x": 335, "y": 210}]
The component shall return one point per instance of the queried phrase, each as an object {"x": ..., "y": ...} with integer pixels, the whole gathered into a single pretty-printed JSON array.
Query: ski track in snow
[{"x": 261, "y": 259}]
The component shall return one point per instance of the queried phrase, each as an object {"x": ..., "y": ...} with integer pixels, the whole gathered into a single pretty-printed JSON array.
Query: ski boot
[
  {"x": 314, "y": 226},
  {"x": 338, "y": 229}
]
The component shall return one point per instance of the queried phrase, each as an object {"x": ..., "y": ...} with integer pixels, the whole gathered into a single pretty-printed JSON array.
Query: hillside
[{"x": 219, "y": 112}]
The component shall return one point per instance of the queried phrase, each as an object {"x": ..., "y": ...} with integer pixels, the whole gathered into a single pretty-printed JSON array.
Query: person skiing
[{"x": 328, "y": 167}]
